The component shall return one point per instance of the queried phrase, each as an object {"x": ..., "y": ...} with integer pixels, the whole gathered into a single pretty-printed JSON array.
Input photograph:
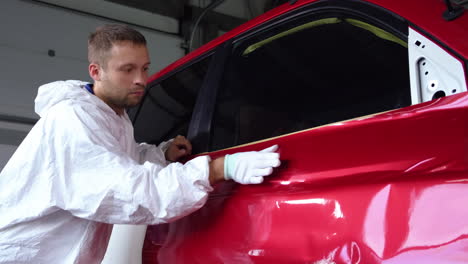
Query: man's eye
[{"x": 145, "y": 69}]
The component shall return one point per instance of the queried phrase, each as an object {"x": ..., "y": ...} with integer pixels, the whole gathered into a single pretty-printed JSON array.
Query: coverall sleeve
[
  {"x": 92, "y": 177},
  {"x": 152, "y": 153}
]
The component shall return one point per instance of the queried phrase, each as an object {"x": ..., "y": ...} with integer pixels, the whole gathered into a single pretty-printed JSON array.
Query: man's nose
[{"x": 141, "y": 78}]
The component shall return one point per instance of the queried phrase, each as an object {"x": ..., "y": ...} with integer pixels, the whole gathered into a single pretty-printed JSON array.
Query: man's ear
[{"x": 94, "y": 71}]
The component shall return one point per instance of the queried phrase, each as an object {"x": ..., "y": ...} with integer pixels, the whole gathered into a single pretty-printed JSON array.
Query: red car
[{"x": 367, "y": 101}]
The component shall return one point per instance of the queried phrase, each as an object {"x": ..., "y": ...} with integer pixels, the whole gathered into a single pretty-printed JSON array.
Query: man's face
[{"x": 122, "y": 80}]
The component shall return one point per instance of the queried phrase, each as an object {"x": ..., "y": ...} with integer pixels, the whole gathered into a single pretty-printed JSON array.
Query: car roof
[{"x": 423, "y": 15}]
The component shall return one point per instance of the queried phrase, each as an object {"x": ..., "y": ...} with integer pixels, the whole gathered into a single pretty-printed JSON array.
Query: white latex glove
[{"x": 250, "y": 167}]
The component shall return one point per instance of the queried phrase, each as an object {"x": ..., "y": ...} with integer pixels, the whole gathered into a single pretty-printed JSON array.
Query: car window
[
  {"x": 167, "y": 107},
  {"x": 308, "y": 73}
]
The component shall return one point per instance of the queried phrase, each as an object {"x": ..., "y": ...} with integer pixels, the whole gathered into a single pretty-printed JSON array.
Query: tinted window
[
  {"x": 168, "y": 105},
  {"x": 306, "y": 75}
]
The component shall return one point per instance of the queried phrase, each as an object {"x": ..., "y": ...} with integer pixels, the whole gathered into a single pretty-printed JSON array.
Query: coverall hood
[{"x": 53, "y": 93}]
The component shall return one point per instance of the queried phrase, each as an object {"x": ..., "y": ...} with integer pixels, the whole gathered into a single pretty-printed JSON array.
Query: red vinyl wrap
[{"x": 387, "y": 188}]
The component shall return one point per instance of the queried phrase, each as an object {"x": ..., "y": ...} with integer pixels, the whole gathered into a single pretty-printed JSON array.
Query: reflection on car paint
[{"x": 389, "y": 188}]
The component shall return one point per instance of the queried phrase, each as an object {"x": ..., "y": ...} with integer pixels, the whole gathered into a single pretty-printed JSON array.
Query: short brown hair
[{"x": 100, "y": 42}]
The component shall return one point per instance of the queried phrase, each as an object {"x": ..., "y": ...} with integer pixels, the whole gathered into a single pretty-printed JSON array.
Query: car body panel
[{"x": 386, "y": 188}]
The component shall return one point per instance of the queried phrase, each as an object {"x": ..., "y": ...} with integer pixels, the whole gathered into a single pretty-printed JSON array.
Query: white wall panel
[
  {"x": 11, "y": 135},
  {"x": 122, "y": 13},
  {"x": 245, "y": 9},
  {"x": 5, "y": 153},
  {"x": 30, "y": 29}
]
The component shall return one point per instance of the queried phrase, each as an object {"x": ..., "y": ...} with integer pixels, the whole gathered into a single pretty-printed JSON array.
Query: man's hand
[
  {"x": 179, "y": 148},
  {"x": 250, "y": 167}
]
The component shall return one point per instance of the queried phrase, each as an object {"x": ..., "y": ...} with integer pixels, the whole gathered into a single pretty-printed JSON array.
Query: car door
[{"x": 366, "y": 177}]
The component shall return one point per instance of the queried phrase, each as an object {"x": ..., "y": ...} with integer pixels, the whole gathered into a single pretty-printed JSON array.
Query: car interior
[{"x": 308, "y": 75}]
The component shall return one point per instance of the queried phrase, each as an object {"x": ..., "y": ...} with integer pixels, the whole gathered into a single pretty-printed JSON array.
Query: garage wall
[
  {"x": 110, "y": 9},
  {"x": 11, "y": 135},
  {"x": 5, "y": 153},
  {"x": 245, "y": 9},
  {"x": 30, "y": 31}
]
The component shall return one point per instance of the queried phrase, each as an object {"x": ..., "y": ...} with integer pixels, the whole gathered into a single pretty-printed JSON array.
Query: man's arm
[
  {"x": 244, "y": 167},
  {"x": 216, "y": 173},
  {"x": 94, "y": 177}
]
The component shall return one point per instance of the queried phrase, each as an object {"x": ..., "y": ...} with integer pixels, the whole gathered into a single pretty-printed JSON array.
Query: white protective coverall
[{"x": 80, "y": 170}]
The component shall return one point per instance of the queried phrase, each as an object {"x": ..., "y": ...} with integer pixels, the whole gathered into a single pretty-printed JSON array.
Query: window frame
[
  {"x": 376, "y": 15},
  {"x": 199, "y": 132},
  {"x": 368, "y": 12}
]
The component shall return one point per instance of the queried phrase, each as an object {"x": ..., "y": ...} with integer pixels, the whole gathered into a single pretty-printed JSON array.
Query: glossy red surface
[
  {"x": 425, "y": 14},
  {"x": 389, "y": 188}
]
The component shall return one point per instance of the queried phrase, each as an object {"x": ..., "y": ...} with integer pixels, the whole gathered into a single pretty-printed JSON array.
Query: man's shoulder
[
  {"x": 78, "y": 111},
  {"x": 77, "y": 106}
]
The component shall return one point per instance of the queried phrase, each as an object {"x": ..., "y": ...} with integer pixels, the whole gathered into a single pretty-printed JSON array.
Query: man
[{"x": 79, "y": 170}]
